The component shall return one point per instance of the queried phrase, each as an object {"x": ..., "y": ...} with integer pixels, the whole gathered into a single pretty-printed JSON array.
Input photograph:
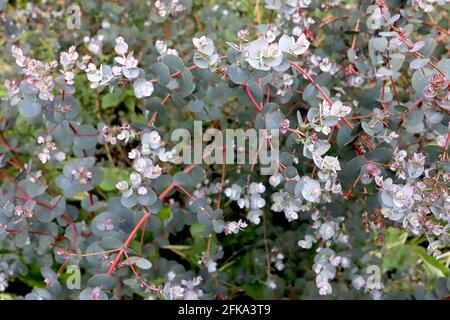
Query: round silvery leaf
[
  {"x": 419, "y": 80},
  {"x": 311, "y": 190},
  {"x": 201, "y": 61},
  {"x": 380, "y": 155},
  {"x": 237, "y": 75},
  {"x": 345, "y": 136},
  {"x": 173, "y": 62},
  {"x": 204, "y": 45},
  {"x": 130, "y": 73},
  {"x": 312, "y": 113},
  {"x": 187, "y": 83},
  {"x": 387, "y": 198},
  {"x": 94, "y": 259},
  {"x": 110, "y": 243},
  {"x": 330, "y": 121},
  {"x": 161, "y": 183},
  {"x": 67, "y": 109},
  {"x": 129, "y": 202},
  {"x": 428, "y": 48},
  {"x": 273, "y": 120},
  {"x": 162, "y": 73},
  {"x": 379, "y": 44},
  {"x": 434, "y": 116},
  {"x": 419, "y": 63},
  {"x": 310, "y": 93},
  {"x": 29, "y": 108},
  {"x": 204, "y": 219},
  {"x": 104, "y": 223},
  {"x": 93, "y": 294},
  {"x": 218, "y": 226},
  {"x": 195, "y": 105},
  {"x": 39, "y": 294},
  {"x": 148, "y": 199},
  {"x": 414, "y": 122},
  {"x": 32, "y": 189},
  {"x": 140, "y": 262},
  {"x": 372, "y": 127},
  {"x": 142, "y": 88},
  {"x": 183, "y": 179},
  {"x": 64, "y": 183},
  {"x": 28, "y": 90},
  {"x": 326, "y": 230}
]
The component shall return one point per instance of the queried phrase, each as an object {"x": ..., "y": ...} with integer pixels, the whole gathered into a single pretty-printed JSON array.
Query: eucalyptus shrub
[{"x": 97, "y": 201}]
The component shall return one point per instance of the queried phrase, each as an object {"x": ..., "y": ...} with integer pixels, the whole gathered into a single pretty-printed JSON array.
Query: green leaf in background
[
  {"x": 433, "y": 266},
  {"x": 111, "y": 177},
  {"x": 110, "y": 100}
]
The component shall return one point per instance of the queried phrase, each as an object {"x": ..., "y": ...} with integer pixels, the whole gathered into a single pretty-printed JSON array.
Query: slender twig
[
  {"x": 131, "y": 236},
  {"x": 250, "y": 96},
  {"x": 319, "y": 88}
]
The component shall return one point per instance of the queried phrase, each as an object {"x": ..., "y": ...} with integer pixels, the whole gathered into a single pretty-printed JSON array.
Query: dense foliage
[{"x": 98, "y": 202}]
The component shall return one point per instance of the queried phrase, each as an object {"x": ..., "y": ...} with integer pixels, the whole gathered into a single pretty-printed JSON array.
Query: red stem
[
  {"x": 319, "y": 88},
  {"x": 268, "y": 93},
  {"x": 163, "y": 101},
  {"x": 42, "y": 233},
  {"x": 249, "y": 95},
  {"x": 167, "y": 191},
  {"x": 127, "y": 242}
]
